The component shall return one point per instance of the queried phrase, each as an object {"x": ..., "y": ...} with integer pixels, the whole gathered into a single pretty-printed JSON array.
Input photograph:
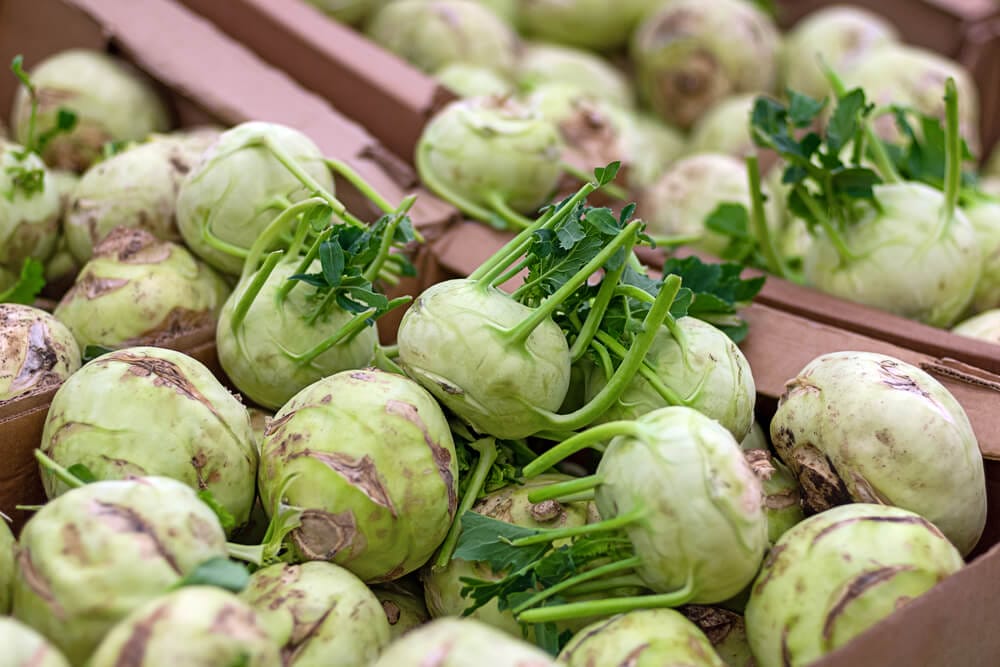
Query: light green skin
[
  {"x": 505, "y": 9},
  {"x": 181, "y": 423},
  {"x": 29, "y": 225},
  {"x": 838, "y": 573},
  {"x": 91, "y": 556},
  {"x": 726, "y": 631},
  {"x": 61, "y": 267},
  {"x": 596, "y": 25},
  {"x": 725, "y": 128},
  {"x": 682, "y": 198},
  {"x": 23, "y": 647},
  {"x": 494, "y": 384},
  {"x": 111, "y": 99},
  {"x": 6, "y": 566},
  {"x": 403, "y": 605},
  {"x": 152, "y": 287},
  {"x": 709, "y": 373},
  {"x": 689, "y": 473},
  {"x": 984, "y": 326},
  {"x": 473, "y": 80},
  {"x": 236, "y": 190},
  {"x": 442, "y": 587},
  {"x": 644, "y": 638},
  {"x": 892, "y": 433},
  {"x": 430, "y": 34},
  {"x": 320, "y": 614},
  {"x": 652, "y": 147},
  {"x": 352, "y": 12},
  {"x": 136, "y": 188},
  {"x": 542, "y": 63},
  {"x": 257, "y": 358},
  {"x": 37, "y": 351},
  {"x": 459, "y": 642},
  {"x": 782, "y": 501},
  {"x": 195, "y": 626},
  {"x": 483, "y": 146},
  {"x": 985, "y": 218},
  {"x": 905, "y": 234},
  {"x": 381, "y": 496},
  {"x": 65, "y": 182},
  {"x": 844, "y": 36},
  {"x": 690, "y": 55}
]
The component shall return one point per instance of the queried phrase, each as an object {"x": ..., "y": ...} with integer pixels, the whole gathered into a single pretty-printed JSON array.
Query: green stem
[
  {"x": 607, "y": 584},
  {"x": 214, "y": 242},
  {"x": 390, "y": 351},
  {"x": 303, "y": 266},
  {"x": 608, "y": 607},
  {"x": 606, "y": 526},
  {"x": 833, "y": 235},
  {"x": 444, "y": 191},
  {"x": 554, "y": 491},
  {"x": 511, "y": 273},
  {"x": 775, "y": 264},
  {"x": 253, "y": 289},
  {"x": 273, "y": 231},
  {"x": 487, "y": 448},
  {"x": 64, "y": 475},
  {"x": 388, "y": 237},
  {"x": 384, "y": 362},
  {"x": 582, "y": 497},
  {"x": 611, "y": 189},
  {"x": 648, "y": 374},
  {"x": 583, "y": 577},
  {"x": 247, "y": 553},
  {"x": 509, "y": 215},
  {"x": 362, "y": 186},
  {"x": 348, "y": 329},
  {"x": 953, "y": 155},
  {"x": 579, "y": 442},
  {"x": 597, "y": 310}
]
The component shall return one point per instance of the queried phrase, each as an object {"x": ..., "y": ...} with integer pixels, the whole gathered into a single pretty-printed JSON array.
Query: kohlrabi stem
[
  {"x": 579, "y": 442},
  {"x": 384, "y": 361},
  {"x": 606, "y": 526},
  {"x": 487, "y": 448},
  {"x": 648, "y": 374},
  {"x": 582, "y": 578},
  {"x": 520, "y": 333},
  {"x": 582, "y": 497},
  {"x": 351, "y": 327},
  {"x": 611, "y": 189},
  {"x": 64, "y": 475},
  {"x": 248, "y": 553},
  {"x": 303, "y": 266},
  {"x": 845, "y": 253},
  {"x": 509, "y": 215},
  {"x": 606, "y": 607},
  {"x": 598, "y": 308},
  {"x": 362, "y": 186},
  {"x": 953, "y": 154},
  {"x": 446, "y": 193},
  {"x": 758, "y": 220},
  {"x": 214, "y": 242},
  {"x": 385, "y": 246},
  {"x": 253, "y": 289},
  {"x": 607, "y": 584},
  {"x": 512, "y": 272},
  {"x": 560, "y": 489},
  {"x": 273, "y": 231}
]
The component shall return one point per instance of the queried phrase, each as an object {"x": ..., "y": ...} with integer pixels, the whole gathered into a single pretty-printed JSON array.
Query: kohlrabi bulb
[
  {"x": 542, "y": 63},
  {"x": 484, "y": 149},
  {"x": 726, "y": 630},
  {"x": 904, "y": 261},
  {"x": 37, "y": 351},
  {"x": 837, "y": 574},
  {"x": 91, "y": 556},
  {"x": 459, "y": 642},
  {"x": 112, "y": 101},
  {"x": 473, "y": 80},
  {"x": 147, "y": 288},
  {"x": 842, "y": 35},
  {"x": 239, "y": 186},
  {"x": 7, "y": 543},
  {"x": 869, "y": 428},
  {"x": 782, "y": 500},
  {"x": 652, "y": 146},
  {"x": 704, "y": 368},
  {"x": 379, "y": 498},
  {"x": 402, "y": 601},
  {"x": 30, "y": 208},
  {"x": 320, "y": 614},
  {"x": 435, "y": 348},
  {"x": 984, "y": 214},
  {"x": 725, "y": 128},
  {"x": 596, "y": 25},
  {"x": 648, "y": 636},
  {"x": 24, "y": 647},
  {"x": 180, "y": 422},
  {"x": 353, "y": 12},
  {"x": 984, "y": 326},
  {"x": 691, "y": 54},
  {"x": 194, "y": 626},
  {"x": 433, "y": 33}
]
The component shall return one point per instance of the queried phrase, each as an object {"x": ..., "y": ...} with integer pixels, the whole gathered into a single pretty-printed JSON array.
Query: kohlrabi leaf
[
  {"x": 65, "y": 118},
  {"x": 605, "y": 175},
  {"x": 489, "y": 541},
  {"x": 226, "y": 519},
  {"x": 718, "y": 291},
  {"x": 219, "y": 572},
  {"x": 28, "y": 285},
  {"x": 922, "y": 153},
  {"x": 82, "y": 473},
  {"x": 91, "y": 352}
]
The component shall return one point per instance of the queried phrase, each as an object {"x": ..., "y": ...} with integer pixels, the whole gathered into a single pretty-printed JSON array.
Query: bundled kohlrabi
[
  {"x": 378, "y": 498},
  {"x": 865, "y": 427},
  {"x": 403, "y": 603},
  {"x": 984, "y": 326},
  {"x": 540, "y": 64},
  {"x": 837, "y": 574},
  {"x": 320, "y": 615},
  {"x": 727, "y": 632},
  {"x": 136, "y": 288},
  {"x": 597, "y": 25},
  {"x": 655, "y": 636},
  {"x": 782, "y": 500},
  {"x": 455, "y": 642},
  {"x": 94, "y": 554},
  {"x": 433, "y": 33},
  {"x": 195, "y": 626},
  {"x": 152, "y": 411},
  {"x": 691, "y": 54},
  {"x": 23, "y": 647},
  {"x": 6, "y": 565},
  {"x": 109, "y": 100},
  {"x": 37, "y": 351},
  {"x": 467, "y": 80}
]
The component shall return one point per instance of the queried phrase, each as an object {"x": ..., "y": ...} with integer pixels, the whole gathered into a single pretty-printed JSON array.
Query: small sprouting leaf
[
  {"x": 17, "y": 66},
  {"x": 489, "y": 540},
  {"x": 318, "y": 217},
  {"x": 331, "y": 257},
  {"x": 91, "y": 352},
  {"x": 604, "y": 175},
  {"x": 113, "y": 148},
  {"x": 82, "y": 473},
  {"x": 226, "y": 519},
  {"x": 855, "y": 182},
  {"x": 603, "y": 220},
  {"x": 219, "y": 572},
  {"x": 627, "y": 212},
  {"x": 65, "y": 123},
  {"x": 28, "y": 285},
  {"x": 682, "y": 303},
  {"x": 802, "y": 109},
  {"x": 570, "y": 233},
  {"x": 729, "y": 219},
  {"x": 845, "y": 122}
]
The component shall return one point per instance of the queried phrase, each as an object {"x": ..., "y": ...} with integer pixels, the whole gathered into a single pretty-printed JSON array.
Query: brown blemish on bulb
[
  {"x": 322, "y": 535},
  {"x": 360, "y": 473},
  {"x": 546, "y": 511},
  {"x": 822, "y": 487},
  {"x": 392, "y": 611},
  {"x": 40, "y": 357},
  {"x": 132, "y": 245},
  {"x": 37, "y": 583},
  {"x": 133, "y": 651},
  {"x": 915, "y": 520},
  {"x": 165, "y": 374},
  {"x": 632, "y": 659},
  {"x": 126, "y": 520},
  {"x": 857, "y": 587},
  {"x": 441, "y": 455},
  {"x": 715, "y": 622}
]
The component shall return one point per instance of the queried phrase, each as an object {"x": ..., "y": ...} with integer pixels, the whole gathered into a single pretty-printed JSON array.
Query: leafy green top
[{"x": 29, "y": 284}]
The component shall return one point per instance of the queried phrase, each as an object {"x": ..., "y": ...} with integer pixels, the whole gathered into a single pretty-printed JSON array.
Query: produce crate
[{"x": 951, "y": 625}]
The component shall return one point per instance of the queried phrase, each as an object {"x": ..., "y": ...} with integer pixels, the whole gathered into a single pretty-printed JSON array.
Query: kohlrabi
[
  {"x": 136, "y": 288},
  {"x": 307, "y": 312},
  {"x": 725, "y": 128},
  {"x": 782, "y": 500},
  {"x": 180, "y": 422},
  {"x": 837, "y": 574},
  {"x": 652, "y": 146},
  {"x": 585, "y": 24},
  {"x": 540, "y": 64},
  {"x": 29, "y": 208},
  {"x": 727, "y": 632},
  {"x": 379, "y": 497},
  {"x": 433, "y": 33},
  {"x": 843, "y": 36},
  {"x": 353, "y": 12},
  {"x": 984, "y": 326},
  {"x": 195, "y": 626},
  {"x": 459, "y": 642},
  {"x": 94, "y": 554},
  {"x": 320, "y": 614},
  {"x": 653, "y": 636},
  {"x": 6, "y": 565},
  {"x": 691, "y": 54},
  {"x": 24, "y": 647},
  {"x": 111, "y": 101},
  {"x": 402, "y": 601},
  {"x": 467, "y": 80},
  {"x": 37, "y": 351},
  {"x": 865, "y": 427}
]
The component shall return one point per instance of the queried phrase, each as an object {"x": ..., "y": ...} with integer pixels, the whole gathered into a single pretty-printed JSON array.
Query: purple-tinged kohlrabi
[
  {"x": 458, "y": 642},
  {"x": 540, "y": 64},
  {"x": 837, "y": 574},
  {"x": 984, "y": 326},
  {"x": 37, "y": 351},
  {"x": 181, "y": 422},
  {"x": 24, "y": 647},
  {"x": 866, "y": 427}
]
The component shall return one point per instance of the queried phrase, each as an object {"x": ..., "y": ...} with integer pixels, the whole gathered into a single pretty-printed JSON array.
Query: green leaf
[
  {"x": 82, "y": 473},
  {"x": 331, "y": 257},
  {"x": 570, "y": 233},
  {"x": 226, "y": 519},
  {"x": 855, "y": 182},
  {"x": 604, "y": 175},
  {"x": 844, "y": 123},
  {"x": 219, "y": 572},
  {"x": 91, "y": 352},
  {"x": 28, "y": 285},
  {"x": 729, "y": 219},
  {"x": 802, "y": 109},
  {"x": 65, "y": 123},
  {"x": 489, "y": 541},
  {"x": 603, "y": 220}
]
